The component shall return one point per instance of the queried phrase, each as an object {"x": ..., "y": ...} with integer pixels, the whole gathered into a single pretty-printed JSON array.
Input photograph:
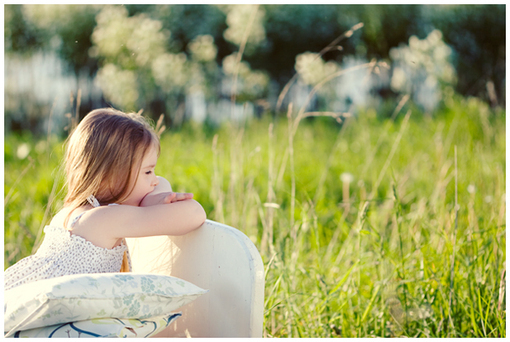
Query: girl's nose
[{"x": 156, "y": 181}]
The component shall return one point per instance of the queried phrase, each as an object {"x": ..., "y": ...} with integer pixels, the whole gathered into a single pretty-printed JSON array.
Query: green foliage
[
  {"x": 472, "y": 31},
  {"x": 67, "y": 29},
  {"x": 20, "y": 35},
  {"x": 189, "y": 21},
  {"x": 280, "y": 32},
  {"x": 356, "y": 223},
  {"x": 316, "y": 27}
]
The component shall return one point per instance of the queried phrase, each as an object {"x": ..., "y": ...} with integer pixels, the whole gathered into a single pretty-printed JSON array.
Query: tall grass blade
[
  {"x": 452, "y": 267},
  {"x": 370, "y": 303},
  {"x": 390, "y": 155},
  {"x": 20, "y": 177}
]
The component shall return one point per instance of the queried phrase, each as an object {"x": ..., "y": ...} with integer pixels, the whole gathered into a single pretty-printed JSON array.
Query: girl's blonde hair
[{"x": 104, "y": 155}]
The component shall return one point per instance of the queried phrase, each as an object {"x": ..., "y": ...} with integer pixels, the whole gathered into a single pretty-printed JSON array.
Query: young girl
[{"x": 113, "y": 193}]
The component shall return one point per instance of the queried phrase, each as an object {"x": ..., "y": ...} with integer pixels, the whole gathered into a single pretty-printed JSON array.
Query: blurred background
[
  {"x": 389, "y": 221},
  {"x": 181, "y": 60}
]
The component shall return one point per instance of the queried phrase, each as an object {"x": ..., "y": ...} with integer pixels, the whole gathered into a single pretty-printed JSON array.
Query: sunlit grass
[{"x": 368, "y": 253}]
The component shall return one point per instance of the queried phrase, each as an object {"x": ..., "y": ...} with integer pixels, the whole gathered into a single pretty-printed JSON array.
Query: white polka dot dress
[{"x": 63, "y": 253}]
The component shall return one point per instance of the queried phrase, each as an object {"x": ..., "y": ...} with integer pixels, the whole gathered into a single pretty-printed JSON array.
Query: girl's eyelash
[{"x": 148, "y": 172}]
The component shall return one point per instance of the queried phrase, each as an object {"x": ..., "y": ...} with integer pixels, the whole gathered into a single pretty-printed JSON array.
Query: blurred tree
[
  {"x": 20, "y": 35},
  {"x": 239, "y": 21},
  {"x": 67, "y": 29},
  {"x": 144, "y": 66},
  {"x": 423, "y": 70},
  {"x": 388, "y": 26},
  {"x": 291, "y": 30},
  {"x": 128, "y": 47},
  {"x": 48, "y": 33},
  {"x": 161, "y": 52},
  {"x": 189, "y": 21},
  {"x": 477, "y": 33}
]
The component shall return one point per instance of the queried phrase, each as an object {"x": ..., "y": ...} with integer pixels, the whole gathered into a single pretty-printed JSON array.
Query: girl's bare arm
[
  {"x": 125, "y": 221},
  {"x": 175, "y": 218},
  {"x": 103, "y": 226}
]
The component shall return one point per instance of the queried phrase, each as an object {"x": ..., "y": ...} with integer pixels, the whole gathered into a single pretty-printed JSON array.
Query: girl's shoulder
[
  {"x": 60, "y": 217},
  {"x": 92, "y": 224},
  {"x": 66, "y": 216}
]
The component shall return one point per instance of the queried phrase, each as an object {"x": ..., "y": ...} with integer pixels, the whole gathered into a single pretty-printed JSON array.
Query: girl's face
[{"x": 146, "y": 179}]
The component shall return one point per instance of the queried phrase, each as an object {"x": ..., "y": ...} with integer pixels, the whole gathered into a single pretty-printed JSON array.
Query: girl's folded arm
[{"x": 176, "y": 218}]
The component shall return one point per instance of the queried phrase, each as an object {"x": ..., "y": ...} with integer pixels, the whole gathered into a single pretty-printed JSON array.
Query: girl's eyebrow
[{"x": 149, "y": 166}]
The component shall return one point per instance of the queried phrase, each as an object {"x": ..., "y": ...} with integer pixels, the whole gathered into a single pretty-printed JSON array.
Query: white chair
[{"x": 215, "y": 257}]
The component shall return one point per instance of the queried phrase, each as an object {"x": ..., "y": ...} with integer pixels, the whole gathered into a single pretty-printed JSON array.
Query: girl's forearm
[{"x": 170, "y": 219}]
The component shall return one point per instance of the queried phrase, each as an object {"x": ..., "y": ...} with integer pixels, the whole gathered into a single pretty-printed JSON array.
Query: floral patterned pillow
[
  {"x": 103, "y": 327},
  {"x": 82, "y": 297}
]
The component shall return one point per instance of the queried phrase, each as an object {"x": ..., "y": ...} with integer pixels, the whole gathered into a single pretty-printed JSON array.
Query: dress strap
[
  {"x": 93, "y": 201},
  {"x": 76, "y": 219}
]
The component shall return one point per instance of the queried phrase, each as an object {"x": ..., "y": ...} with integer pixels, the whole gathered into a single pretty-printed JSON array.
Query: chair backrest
[{"x": 215, "y": 257}]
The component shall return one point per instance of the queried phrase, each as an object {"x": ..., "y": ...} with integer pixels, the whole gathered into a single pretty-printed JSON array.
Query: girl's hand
[{"x": 164, "y": 198}]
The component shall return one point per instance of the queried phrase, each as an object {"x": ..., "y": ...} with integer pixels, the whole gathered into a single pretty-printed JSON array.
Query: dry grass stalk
[
  {"x": 78, "y": 104},
  {"x": 48, "y": 134},
  {"x": 390, "y": 156},
  {"x": 21, "y": 175},
  {"x": 502, "y": 286},
  {"x": 239, "y": 57},
  {"x": 270, "y": 205},
  {"x": 339, "y": 117},
  {"x": 160, "y": 127},
  {"x": 217, "y": 192},
  {"x": 346, "y": 34},
  {"x": 292, "y": 173},
  {"x": 329, "y": 78},
  {"x": 370, "y": 159},
  {"x": 324, "y": 174},
  {"x": 236, "y": 175},
  {"x": 51, "y": 198},
  {"x": 74, "y": 118},
  {"x": 452, "y": 266}
]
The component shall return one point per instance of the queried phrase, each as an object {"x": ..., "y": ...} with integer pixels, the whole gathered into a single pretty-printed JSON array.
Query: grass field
[{"x": 373, "y": 227}]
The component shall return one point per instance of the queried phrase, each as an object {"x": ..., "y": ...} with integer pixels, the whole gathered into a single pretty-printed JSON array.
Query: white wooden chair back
[{"x": 215, "y": 257}]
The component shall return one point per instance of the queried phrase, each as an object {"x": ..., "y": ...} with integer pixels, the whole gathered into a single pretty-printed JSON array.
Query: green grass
[{"x": 374, "y": 257}]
